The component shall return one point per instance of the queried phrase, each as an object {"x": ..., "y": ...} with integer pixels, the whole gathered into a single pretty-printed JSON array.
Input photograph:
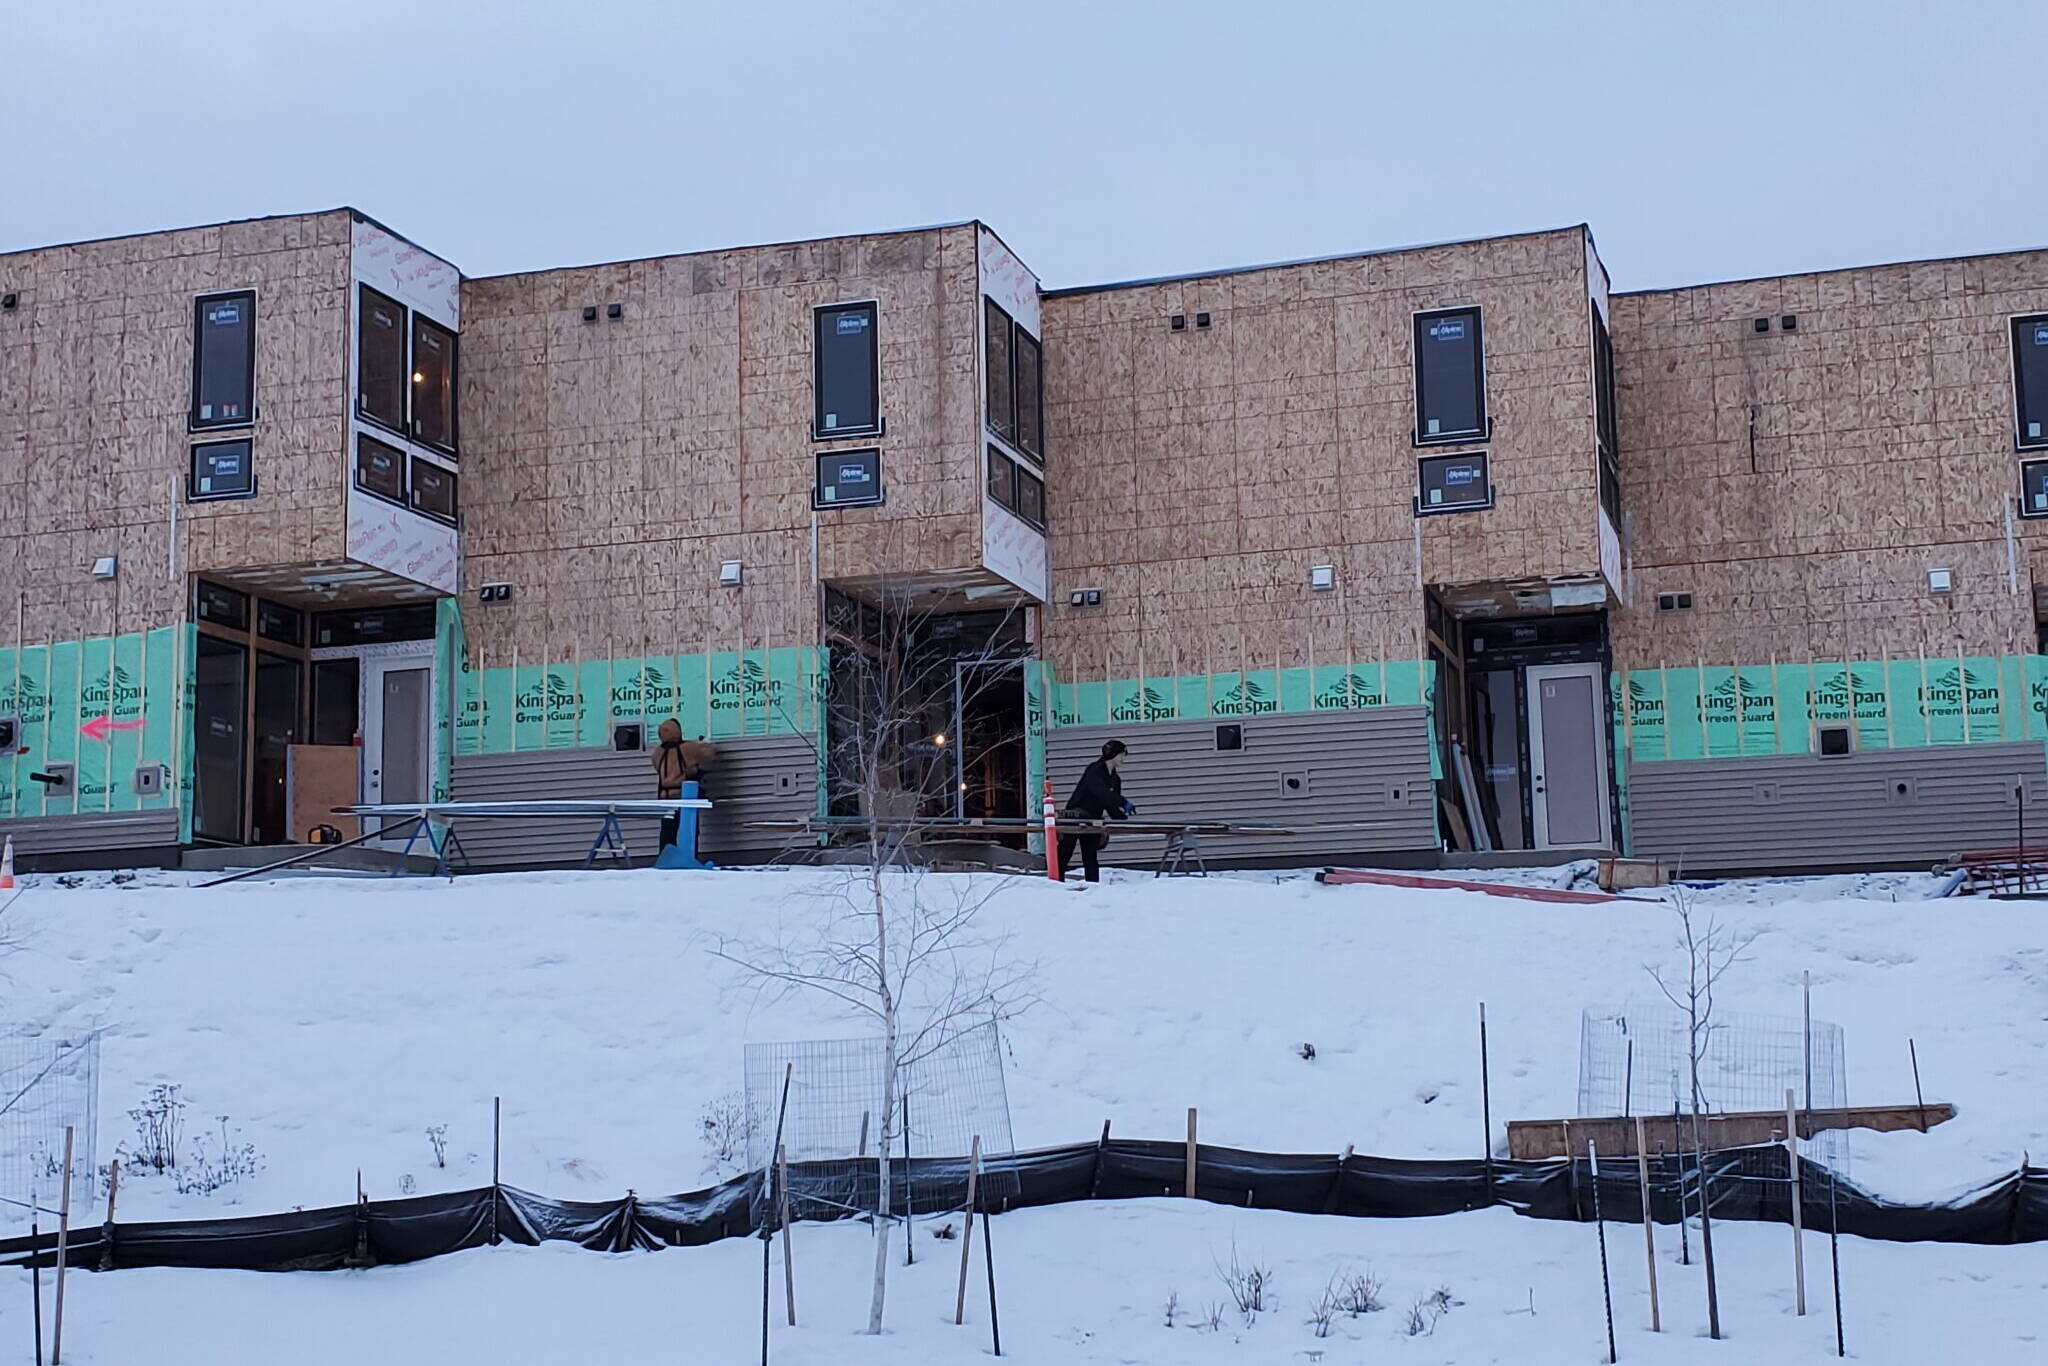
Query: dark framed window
[
  {"x": 1002, "y": 478},
  {"x": 433, "y": 490},
  {"x": 226, "y": 607},
  {"x": 2034, "y": 488},
  {"x": 380, "y": 359},
  {"x": 220, "y": 683},
  {"x": 1030, "y": 395},
  {"x": 275, "y": 621},
  {"x": 224, "y": 360},
  {"x": 1453, "y": 483},
  {"x": 2030, "y": 379},
  {"x": 1002, "y": 375},
  {"x": 1450, "y": 376},
  {"x": 380, "y": 469},
  {"x": 1606, "y": 420},
  {"x": 848, "y": 479},
  {"x": 337, "y": 689},
  {"x": 1030, "y": 497},
  {"x": 221, "y": 469},
  {"x": 373, "y": 625},
  {"x": 847, "y": 379},
  {"x": 433, "y": 383}
]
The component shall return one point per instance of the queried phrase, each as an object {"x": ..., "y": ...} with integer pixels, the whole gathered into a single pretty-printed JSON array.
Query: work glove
[{"x": 1130, "y": 809}]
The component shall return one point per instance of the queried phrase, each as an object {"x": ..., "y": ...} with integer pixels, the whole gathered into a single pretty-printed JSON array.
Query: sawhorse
[
  {"x": 1181, "y": 847},
  {"x": 610, "y": 841},
  {"x": 442, "y": 842}
]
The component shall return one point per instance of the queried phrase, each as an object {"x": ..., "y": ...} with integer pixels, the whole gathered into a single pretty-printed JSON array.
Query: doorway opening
[
  {"x": 1535, "y": 732},
  {"x": 925, "y": 711}
]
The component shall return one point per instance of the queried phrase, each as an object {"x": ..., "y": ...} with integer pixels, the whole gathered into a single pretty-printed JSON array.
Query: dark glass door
[
  {"x": 276, "y": 730},
  {"x": 220, "y": 694}
]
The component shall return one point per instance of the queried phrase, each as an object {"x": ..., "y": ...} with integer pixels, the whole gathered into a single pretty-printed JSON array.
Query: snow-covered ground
[
  {"x": 1089, "y": 1284},
  {"x": 333, "y": 1021}
]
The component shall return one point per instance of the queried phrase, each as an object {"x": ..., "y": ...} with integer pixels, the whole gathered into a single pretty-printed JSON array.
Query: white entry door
[
  {"x": 398, "y": 723},
  {"x": 1568, "y": 755}
]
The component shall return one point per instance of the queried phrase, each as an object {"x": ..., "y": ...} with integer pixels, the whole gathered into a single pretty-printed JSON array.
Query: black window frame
[
  {"x": 398, "y": 499},
  {"x": 193, "y": 421},
  {"x": 1424, "y": 508},
  {"x": 2020, "y": 415},
  {"x": 454, "y": 340},
  {"x": 1606, "y": 417},
  {"x": 1004, "y": 497},
  {"x": 819, "y": 431},
  {"x": 2034, "y": 480},
  {"x": 194, "y": 494},
  {"x": 236, "y": 599},
  {"x": 996, "y": 322},
  {"x": 1019, "y": 340},
  {"x": 290, "y": 628},
  {"x": 413, "y": 465},
  {"x": 1483, "y": 430},
  {"x": 364, "y": 294},
  {"x": 1030, "y": 479},
  {"x": 823, "y": 504}
]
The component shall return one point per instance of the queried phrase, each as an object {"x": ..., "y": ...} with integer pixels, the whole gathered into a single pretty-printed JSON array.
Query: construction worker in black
[{"x": 1098, "y": 796}]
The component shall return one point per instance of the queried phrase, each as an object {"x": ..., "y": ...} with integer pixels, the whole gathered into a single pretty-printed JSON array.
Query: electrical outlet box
[
  {"x": 1902, "y": 791},
  {"x": 785, "y": 783},
  {"x": 10, "y": 734},
  {"x": 1294, "y": 783},
  {"x": 149, "y": 780}
]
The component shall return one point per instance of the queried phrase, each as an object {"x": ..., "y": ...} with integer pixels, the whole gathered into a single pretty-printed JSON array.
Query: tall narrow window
[
  {"x": 848, "y": 376},
  {"x": 433, "y": 383},
  {"x": 1450, "y": 376},
  {"x": 1606, "y": 421},
  {"x": 220, "y": 683},
  {"x": 1030, "y": 396},
  {"x": 2030, "y": 378},
  {"x": 380, "y": 359},
  {"x": 1002, "y": 377},
  {"x": 224, "y": 360}
]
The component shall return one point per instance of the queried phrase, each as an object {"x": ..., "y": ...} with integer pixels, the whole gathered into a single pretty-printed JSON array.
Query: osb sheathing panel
[
  {"x": 95, "y": 391},
  {"x": 1801, "y": 484},
  {"x": 1195, "y": 477},
  {"x": 611, "y": 467}
]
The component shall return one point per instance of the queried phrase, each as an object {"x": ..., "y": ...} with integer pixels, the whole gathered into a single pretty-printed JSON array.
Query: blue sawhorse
[
  {"x": 443, "y": 843},
  {"x": 610, "y": 841}
]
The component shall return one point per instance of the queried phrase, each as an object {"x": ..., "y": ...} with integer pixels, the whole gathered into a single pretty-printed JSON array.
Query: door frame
[
  {"x": 372, "y": 661},
  {"x": 961, "y": 668},
  {"x": 1539, "y": 824}
]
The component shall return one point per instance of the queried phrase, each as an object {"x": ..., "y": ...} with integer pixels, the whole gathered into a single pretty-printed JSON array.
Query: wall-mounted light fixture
[
  {"x": 105, "y": 567},
  {"x": 1940, "y": 580},
  {"x": 729, "y": 574},
  {"x": 494, "y": 592},
  {"x": 615, "y": 311},
  {"x": 9, "y": 300},
  {"x": 590, "y": 313},
  {"x": 1322, "y": 577},
  {"x": 1085, "y": 597}
]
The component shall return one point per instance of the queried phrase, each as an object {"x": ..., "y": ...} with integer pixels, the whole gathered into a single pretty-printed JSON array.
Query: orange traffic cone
[{"x": 7, "y": 865}]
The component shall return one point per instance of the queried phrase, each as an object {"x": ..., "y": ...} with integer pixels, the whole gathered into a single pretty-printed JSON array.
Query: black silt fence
[{"x": 2011, "y": 1209}]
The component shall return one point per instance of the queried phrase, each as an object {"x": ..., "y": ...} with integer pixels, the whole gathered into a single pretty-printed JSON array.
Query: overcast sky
[{"x": 1103, "y": 141}]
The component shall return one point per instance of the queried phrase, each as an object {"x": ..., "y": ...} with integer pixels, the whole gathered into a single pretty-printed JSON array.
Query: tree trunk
[{"x": 884, "y": 1206}]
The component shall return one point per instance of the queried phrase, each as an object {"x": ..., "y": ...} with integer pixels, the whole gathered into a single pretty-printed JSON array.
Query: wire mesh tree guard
[{"x": 47, "y": 1084}]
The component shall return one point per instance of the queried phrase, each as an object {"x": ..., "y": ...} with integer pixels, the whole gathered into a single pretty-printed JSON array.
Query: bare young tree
[
  {"x": 892, "y": 942},
  {"x": 1711, "y": 949}
]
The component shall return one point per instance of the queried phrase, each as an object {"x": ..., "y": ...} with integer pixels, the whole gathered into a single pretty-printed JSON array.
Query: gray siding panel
[
  {"x": 90, "y": 833},
  {"x": 772, "y": 777},
  {"x": 1799, "y": 811},
  {"x": 1366, "y": 768}
]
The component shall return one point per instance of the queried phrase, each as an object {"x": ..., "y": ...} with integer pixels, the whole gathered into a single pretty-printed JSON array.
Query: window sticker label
[
  {"x": 1460, "y": 474},
  {"x": 2041, "y": 335},
  {"x": 853, "y": 474},
  {"x": 1447, "y": 330},
  {"x": 852, "y": 322}
]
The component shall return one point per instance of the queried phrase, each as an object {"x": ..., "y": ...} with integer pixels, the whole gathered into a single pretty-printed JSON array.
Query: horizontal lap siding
[
  {"x": 111, "y": 830},
  {"x": 1798, "y": 811},
  {"x": 1367, "y": 768},
  {"x": 755, "y": 779}
]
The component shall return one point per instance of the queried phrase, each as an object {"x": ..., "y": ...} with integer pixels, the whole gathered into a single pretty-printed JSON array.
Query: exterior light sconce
[
  {"x": 729, "y": 574},
  {"x": 105, "y": 567},
  {"x": 1322, "y": 577},
  {"x": 615, "y": 311},
  {"x": 590, "y": 313},
  {"x": 1085, "y": 597},
  {"x": 1940, "y": 581}
]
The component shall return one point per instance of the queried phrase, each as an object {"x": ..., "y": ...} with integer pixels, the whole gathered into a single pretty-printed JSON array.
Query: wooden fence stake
[
  {"x": 967, "y": 1237},
  {"x": 1798, "y": 1215},
  {"x": 107, "y": 1233},
  {"x": 1190, "y": 1191},
  {"x": 63, "y": 1240},
  {"x": 1649, "y": 1224},
  {"x": 788, "y": 1256}
]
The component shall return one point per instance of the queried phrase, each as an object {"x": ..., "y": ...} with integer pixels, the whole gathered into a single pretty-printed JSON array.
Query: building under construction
[{"x": 1419, "y": 553}]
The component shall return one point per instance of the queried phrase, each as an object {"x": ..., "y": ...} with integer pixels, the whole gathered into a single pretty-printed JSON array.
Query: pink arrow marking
[{"x": 99, "y": 726}]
